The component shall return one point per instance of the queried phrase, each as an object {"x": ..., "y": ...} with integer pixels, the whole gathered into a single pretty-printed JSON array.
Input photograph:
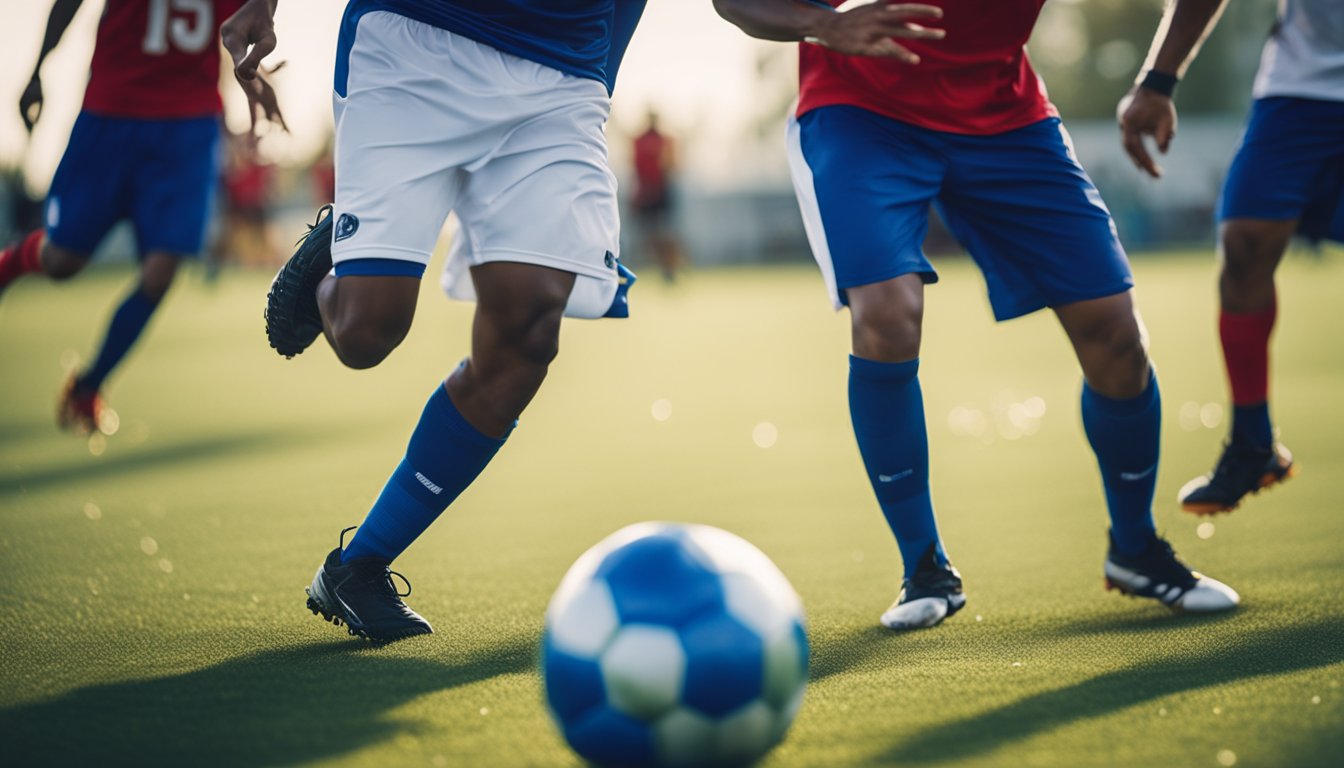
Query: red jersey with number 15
[
  {"x": 157, "y": 58},
  {"x": 977, "y": 80}
]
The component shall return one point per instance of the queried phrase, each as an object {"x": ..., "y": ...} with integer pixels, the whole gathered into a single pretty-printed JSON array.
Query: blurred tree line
[{"x": 1089, "y": 51}]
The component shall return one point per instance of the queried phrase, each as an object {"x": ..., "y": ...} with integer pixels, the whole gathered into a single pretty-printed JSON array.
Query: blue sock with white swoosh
[
  {"x": 1125, "y": 435},
  {"x": 445, "y": 455},
  {"x": 886, "y": 407}
]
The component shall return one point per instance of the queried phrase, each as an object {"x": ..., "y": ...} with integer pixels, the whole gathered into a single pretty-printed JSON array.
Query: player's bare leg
[
  {"x": 1111, "y": 344},
  {"x": 1252, "y": 459},
  {"x": 62, "y": 263},
  {"x": 1122, "y": 413},
  {"x": 887, "y": 319},
  {"x": 81, "y": 408},
  {"x": 515, "y": 336},
  {"x": 887, "y": 411},
  {"x": 365, "y": 317}
]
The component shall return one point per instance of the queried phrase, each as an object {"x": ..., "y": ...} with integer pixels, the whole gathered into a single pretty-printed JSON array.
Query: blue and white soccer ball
[{"x": 674, "y": 645}]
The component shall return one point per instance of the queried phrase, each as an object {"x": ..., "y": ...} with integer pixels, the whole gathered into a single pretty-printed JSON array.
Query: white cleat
[
  {"x": 1158, "y": 575},
  {"x": 917, "y": 614},
  {"x": 930, "y": 595}
]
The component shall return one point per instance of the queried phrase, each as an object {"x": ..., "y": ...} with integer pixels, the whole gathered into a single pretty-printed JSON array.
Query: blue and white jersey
[
  {"x": 585, "y": 38},
  {"x": 1304, "y": 57}
]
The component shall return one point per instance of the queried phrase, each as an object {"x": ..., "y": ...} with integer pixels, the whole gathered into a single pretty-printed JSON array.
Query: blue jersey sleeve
[{"x": 625, "y": 17}]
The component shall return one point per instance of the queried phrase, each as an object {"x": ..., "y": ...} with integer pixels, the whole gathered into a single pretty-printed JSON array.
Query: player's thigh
[
  {"x": 1033, "y": 221},
  {"x": 174, "y": 184},
  {"x": 1289, "y": 167},
  {"x": 92, "y": 184},
  {"x": 547, "y": 198},
  {"x": 864, "y": 183}
]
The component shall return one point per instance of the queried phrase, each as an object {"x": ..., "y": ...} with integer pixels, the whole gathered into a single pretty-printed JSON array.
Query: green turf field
[{"x": 152, "y": 600}]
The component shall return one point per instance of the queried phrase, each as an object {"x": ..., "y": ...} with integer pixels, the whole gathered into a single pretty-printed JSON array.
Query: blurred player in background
[
  {"x": 891, "y": 118},
  {"x": 143, "y": 148},
  {"x": 1287, "y": 178},
  {"x": 494, "y": 110},
  {"x": 655, "y": 161}
]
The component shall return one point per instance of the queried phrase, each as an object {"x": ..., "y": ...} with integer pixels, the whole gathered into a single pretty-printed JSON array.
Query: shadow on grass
[
  {"x": 1152, "y": 619},
  {"x": 121, "y": 461},
  {"x": 1295, "y": 648},
  {"x": 833, "y": 656},
  {"x": 293, "y": 705}
]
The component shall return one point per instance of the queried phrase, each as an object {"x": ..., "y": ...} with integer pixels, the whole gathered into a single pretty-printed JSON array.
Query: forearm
[
  {"x": 62, "y": 13},
  {"x": 1185, "y": 25},
  {"x": 784, "y": 20}
]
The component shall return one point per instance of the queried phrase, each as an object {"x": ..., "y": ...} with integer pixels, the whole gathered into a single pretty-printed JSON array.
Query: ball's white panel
[
  {"x": 728, "y": 553},
  {"x": 582, "y": 619},
  {"x": 643, "y": 670},
  {"x": 745, "y": 735},
  {"x": 785, "y": 675},
  {"x": 767, "y": 606},
  {"x": 723, "y": 551},
  {"x": 684, "y": 738}
]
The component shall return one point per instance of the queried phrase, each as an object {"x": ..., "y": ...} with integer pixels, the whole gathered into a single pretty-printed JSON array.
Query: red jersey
[
  {"x": 650, "y": 150},
  {"x": 977, "y": 80},
  {"x": 158, "y": 58}
]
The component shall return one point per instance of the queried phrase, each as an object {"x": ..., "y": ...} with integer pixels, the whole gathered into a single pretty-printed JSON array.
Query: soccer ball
[{"x": 674, "y": 645}]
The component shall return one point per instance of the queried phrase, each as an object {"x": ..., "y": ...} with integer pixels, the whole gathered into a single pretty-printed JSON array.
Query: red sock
[
  {"x": 21, "y": 258},
  {"x": 1246, "y": 352}
]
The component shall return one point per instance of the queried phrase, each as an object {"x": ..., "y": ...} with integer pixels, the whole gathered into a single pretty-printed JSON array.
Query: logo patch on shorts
[
  {"x": 346, "y": 226},
  {"x": 610, "y": 260}
]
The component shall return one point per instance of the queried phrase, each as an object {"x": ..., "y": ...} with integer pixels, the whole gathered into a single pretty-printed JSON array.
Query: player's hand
[
  {"x": 868, "y": 30},
  {"x": 1144, "y": 112},
  {"x": 249, "y": 37},
  {"x": 261, "y": 99},
  {"x": 30, "y": 103}
]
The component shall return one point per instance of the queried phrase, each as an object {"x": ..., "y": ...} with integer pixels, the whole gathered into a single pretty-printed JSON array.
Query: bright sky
[{"x": 698, "y": 70}]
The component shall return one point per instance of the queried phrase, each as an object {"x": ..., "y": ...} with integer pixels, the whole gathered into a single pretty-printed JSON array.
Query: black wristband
[{"x": 1160, "y": 82}]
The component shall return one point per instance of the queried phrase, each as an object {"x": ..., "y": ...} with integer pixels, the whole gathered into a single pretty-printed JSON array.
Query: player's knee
[
  {"x": 886, "y": 332},
  {"x": 537, "y": 340},
  {"x": 362, "y": 344},
  {"x": 61, "y": 263},
  {"x": 156, "y": 277},
  {"x": 1250, "y": 249}
]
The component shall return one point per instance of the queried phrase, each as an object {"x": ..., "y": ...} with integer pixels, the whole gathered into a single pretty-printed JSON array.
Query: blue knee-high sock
[
  {"x": 1125, "y": 435},
  {"x": 445, "y": 455},
  {"x": 886, "y": 407},
  {"x": 128, "y": 322}
]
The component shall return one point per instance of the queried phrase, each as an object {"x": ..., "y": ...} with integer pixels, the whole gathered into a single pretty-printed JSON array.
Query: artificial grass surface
[{"x": 152, "y": 601}]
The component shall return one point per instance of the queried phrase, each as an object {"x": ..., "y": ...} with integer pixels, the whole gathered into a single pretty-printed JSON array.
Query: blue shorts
[
  {"x": 1018, "y": 201},
  {"x": 1290, "y": 165},
  {"x": 160, "y": 174}
]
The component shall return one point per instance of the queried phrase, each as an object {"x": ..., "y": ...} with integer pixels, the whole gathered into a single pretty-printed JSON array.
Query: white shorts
[{"x": 431, "y": 122}]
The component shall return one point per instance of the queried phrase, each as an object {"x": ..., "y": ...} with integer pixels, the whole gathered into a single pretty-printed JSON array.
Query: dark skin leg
[
  {"x": 515, "y": 334},
  {"x": 514, "y": 338},
  {"x": 1107, "y": 335},
  {"x": 1111, "y": 344},
  {"x": 365, "y": 317},
  {"x": 1250, "y": 250},
  {"x": 61, "y": 263},
  {"x": 887, "y": 318}
]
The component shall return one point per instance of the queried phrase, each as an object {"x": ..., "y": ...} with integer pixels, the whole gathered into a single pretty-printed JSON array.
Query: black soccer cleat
[
  {"x": 293, "y": 320},
  {"x": 1242, "y": 469},
  {"x": 1157, "y": 574},
  {"x": 361, "y": 595},
  {"x": 932, "y": 594}
]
